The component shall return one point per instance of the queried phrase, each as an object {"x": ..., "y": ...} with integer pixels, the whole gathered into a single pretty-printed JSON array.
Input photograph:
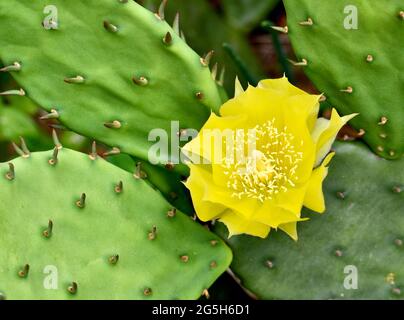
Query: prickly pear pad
[
  {"x": 76, "y": 228},
  {"x": 109, "y": 68},
  {"x": 354, "y": 56}
]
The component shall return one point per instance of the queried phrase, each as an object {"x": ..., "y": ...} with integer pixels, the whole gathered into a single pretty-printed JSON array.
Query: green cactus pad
[
  {"x": 362, "y": 227},
  {"x": 359, "y": 70},
  {"x": 165, "y": 180},
  {"x": 117, "y": 244},
  {"x": 110, "y": 69}
]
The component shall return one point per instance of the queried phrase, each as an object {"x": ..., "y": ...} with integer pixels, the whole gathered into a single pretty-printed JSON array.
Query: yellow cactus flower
[{"x": 255, "y": 189}]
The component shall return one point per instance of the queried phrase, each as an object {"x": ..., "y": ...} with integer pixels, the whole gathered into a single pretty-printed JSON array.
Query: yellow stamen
[{"x": 269, "y": 169}]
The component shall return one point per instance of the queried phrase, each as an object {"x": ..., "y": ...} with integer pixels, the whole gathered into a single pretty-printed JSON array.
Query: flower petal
[
  {"x": 211, "y": 140},
  {"x": 245, "y": 207},
  {"x": 282, "y": 85},
  {"x": 237, "y": 224},
  {"x": 210, "y": 200},
  {"x": 307, "y": 107},
  {"x": 198, "y": 183},
  {"x": 302, "y": 142},
  {"x": 274, "y": 216},
  {"x": 292, "y": 200},
  {"x": 258, "y": 104},
  {"x": 325, "y": 132},
  {"x": 238, "y": 88},
  {"x": 290, "y": 229},
  {"x": 306, "y": 103},
  {"x": 314, "y": 197}
]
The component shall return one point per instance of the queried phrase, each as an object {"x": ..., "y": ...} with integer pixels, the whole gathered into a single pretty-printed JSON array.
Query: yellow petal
[
  {"x": 274, "y": 216},
  {"x": 211, "y": 140},
  {"x": 210, "y": 200},
  {"x": 290, "y": 229},
  {"x": 238, "y": 88},
  {"x": 257, "y": 104},
  {"x": 237, "y": 224},
  {"x": 325, "y": 132},
  {"x": 198, "y": 182},
  {"x": 281, "y": 85},
  {"x": 303, "y": 143},
  {"x": 307, "y": 107},
  {"x": 292, "y": 199},
  {"x": 314, "y": 198},
  {"x": 306, "y": 103},
  {"x": 245, "y": 207}
]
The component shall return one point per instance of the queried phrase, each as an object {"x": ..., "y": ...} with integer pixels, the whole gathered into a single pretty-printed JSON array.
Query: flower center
[{"x": 269, "y": 168}]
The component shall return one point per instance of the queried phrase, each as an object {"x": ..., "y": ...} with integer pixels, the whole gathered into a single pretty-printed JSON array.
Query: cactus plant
[
  {"x": 350, "y": 51},
  {"x": 74, "y": 226},
  {"x": 109, "y": 235},
  {"x": 362, "y": 228},
  {"x": 126, "y": 72}
]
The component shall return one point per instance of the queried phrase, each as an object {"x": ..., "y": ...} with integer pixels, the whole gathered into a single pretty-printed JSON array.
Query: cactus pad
[
  {"x": 104, "y": 239},
  {"x": 363, "y": 228},
  {"x": 165, "y": 180},
  {"x": 357, "y": 63},
  {"x": 111, "y": 69}
]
